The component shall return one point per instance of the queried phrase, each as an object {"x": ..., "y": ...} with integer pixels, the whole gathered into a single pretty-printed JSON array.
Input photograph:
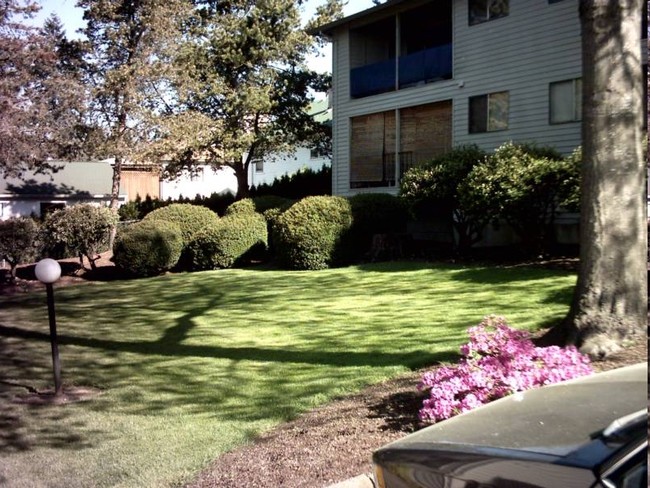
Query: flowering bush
[{"x": 497, "y": 361}]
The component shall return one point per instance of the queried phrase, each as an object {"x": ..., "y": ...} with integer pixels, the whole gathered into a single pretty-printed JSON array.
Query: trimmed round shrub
[
  {"x": 148, "y": 248},
  {"x": 18, "y": 242},
  {"x": 189, "y": 218},
  {"x": 232, "y": 240},
  {"x": 244, "y": 206},
  {"x": 308, "y": 234},
  {"x": 79, "y": 230}
]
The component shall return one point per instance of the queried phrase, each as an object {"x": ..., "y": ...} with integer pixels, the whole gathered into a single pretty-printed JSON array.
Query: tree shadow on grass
[{"x": 163, "y": 347}]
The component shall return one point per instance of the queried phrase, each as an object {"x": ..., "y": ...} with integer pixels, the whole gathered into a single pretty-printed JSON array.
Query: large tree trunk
[{"x": 610, "y": 301}]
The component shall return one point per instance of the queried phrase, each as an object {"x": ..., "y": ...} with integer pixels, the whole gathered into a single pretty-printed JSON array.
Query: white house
[
  {"x": 273, "y": 166},
  {"x": 74, "y": 182},
  {"x": 412, "y": 78}
]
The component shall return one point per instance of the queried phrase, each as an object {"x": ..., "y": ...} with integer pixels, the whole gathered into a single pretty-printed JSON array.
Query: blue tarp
[{"x": 427, "y": 65}]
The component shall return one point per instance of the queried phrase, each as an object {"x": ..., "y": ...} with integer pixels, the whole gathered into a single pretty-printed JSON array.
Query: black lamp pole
[
  {"x": 48, "y": 271},
  {"x": 58, "y": 387}
]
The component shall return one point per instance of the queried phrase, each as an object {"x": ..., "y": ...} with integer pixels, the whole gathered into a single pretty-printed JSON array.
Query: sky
[{"x": 72, "y": 20}]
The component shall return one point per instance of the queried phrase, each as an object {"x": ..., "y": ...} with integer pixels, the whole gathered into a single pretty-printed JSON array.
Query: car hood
[{"x": 554, "y": 420}]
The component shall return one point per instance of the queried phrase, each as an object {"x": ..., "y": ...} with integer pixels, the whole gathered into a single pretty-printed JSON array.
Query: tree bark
[{"x": 610, "y": 300}]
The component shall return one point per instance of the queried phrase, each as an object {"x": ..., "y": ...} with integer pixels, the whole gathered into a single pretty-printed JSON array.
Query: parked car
[{"x": 587, "y": 432}]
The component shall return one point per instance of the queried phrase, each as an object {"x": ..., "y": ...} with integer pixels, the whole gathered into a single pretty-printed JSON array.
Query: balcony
[{"x": 413, "y": 69}]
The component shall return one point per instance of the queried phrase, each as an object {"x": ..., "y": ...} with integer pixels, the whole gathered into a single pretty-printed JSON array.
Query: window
[
  {"x": 565, "y": 101},
  {"x": 316, "y": 153},
  {"x": 47, "y": 208},
  {"x": 488, "y": 113},
  {"x": 259, "y": 165},
  {"x": 379, "y": 156},
  {"x": 483, "y": 10}
]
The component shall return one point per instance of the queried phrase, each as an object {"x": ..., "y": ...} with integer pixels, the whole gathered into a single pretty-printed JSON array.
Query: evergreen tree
[{"x": 243, "y": 88}]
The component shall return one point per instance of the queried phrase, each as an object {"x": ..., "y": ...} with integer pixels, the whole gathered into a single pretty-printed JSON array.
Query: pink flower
[{"x": 497, "y": 361}]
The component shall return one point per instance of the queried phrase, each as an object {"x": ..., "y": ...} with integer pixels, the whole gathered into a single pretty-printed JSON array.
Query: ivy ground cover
[{"x": 192, "y": 365}]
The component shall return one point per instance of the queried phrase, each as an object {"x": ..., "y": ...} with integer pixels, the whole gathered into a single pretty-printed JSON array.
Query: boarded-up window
[
  {"x": 372, "y": 136},
  {"x": 425, "y": 133}
]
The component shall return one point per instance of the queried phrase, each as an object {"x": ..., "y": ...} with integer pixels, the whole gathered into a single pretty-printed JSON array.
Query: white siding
[
  {"x": 536, "y": 44},
  {"x": 278, "y": 165},
  {"x": 204, "y": 183}
]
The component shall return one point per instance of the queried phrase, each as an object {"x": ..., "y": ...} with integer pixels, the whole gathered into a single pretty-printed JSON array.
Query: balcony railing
[{"x": 423, "y": 66}]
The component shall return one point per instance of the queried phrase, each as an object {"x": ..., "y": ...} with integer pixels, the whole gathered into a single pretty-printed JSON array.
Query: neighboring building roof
[
  {"x": 73, "y": 179},
  {"x": 328, "y": 29}
]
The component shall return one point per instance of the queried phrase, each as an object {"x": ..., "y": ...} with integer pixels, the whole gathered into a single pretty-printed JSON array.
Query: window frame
[
  {"x": 258, "y": 165},
  {"x": 475, "y": 20},
  {"x": 576, "y": 102},
  {"x": 472, "y": 125}
]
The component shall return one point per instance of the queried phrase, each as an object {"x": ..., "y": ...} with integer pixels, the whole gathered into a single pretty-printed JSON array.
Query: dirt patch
[{"x": 70, "y": 394}]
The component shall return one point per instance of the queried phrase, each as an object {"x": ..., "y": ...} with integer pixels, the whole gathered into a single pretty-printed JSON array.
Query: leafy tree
[
  {"x": 438, "y": 188},
  {"x": 242, "y": 87},
  {"x": 18, "y": 238},
  {"x": 41, "y": 114},
  {"x": 82, "y": 230},
  {"x": 523, "y": 185},
  {"x": 126, "y": 55},
  {"x": 610, "y": 301}
]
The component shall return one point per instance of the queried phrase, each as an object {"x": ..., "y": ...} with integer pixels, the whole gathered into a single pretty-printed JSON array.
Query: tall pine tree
[{"x": 243, "y": 88}]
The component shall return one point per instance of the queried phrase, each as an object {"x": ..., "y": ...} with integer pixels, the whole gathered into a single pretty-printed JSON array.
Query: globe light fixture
[{"x": 48, "y": 271}]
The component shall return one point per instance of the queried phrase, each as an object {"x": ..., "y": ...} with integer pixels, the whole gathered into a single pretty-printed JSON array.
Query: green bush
[
  {"x": 523, "y": 185},
  {"x": 234, "y": 238},
  {"x": 308, "y": 234},
  {"x": 189, "y": 218},
  {"x": 148, "y": 248},
  {"x": 372, "y": 213},
  {"x": 244, "y": 206},
  {"x": 18, "y": 242},
  {"x": 431, "y": 192},
  {"x": 80, "y": 230}
]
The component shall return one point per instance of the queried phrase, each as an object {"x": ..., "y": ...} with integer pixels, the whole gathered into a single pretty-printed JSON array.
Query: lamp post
[{"x": 48, "y": 271}]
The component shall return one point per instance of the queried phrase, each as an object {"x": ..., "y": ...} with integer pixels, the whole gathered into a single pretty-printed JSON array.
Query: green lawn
[{"x": 192, "y": 365}]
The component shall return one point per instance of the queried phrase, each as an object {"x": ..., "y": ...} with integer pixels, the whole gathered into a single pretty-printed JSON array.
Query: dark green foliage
[
  {"x": 432, "y": 192},
  {"x": 308, "y": 234},
  {"x": 372, "y": 213},
  {"x": 230, "y": 241},
  {"x": 148, "y": 248},
  {"x": 18, "y": 242},
  {"x": 190, "y": 218},
  {"x": 268, "y": 202},
  {"x": 523, "y": 185},
  {"x": 244, "y": 206},
  {"x": 80, "y": 230},
  {"x": 304, "y": 183},
  {"x": 138, "y": 209}
]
